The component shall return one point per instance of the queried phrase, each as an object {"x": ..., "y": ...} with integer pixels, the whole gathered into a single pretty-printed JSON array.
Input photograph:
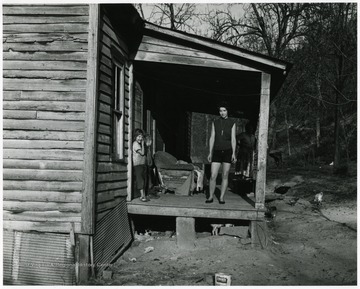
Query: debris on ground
[
  {"x": 318, "y": 198},
  {"x": 293, "y": 201},
  {"x": 148, "y": 250}
]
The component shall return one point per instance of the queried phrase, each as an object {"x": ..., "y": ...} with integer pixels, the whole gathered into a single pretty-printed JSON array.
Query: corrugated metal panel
[
  {"x": 38, "y": 259},
  {"x": 112, "y": 233},
  {"x": 8, "y": 241}
]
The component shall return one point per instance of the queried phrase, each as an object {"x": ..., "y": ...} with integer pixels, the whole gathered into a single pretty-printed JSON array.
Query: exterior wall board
[
  {"x": 111, "y": 177},
  {"x": 44, "y": 82}
]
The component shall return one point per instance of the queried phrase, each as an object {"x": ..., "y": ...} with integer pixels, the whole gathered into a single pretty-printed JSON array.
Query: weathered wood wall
[
  {"x": 44, "y": 86},
  {"x": 111, "y": 176},
  {"x": 162, "y": 51}
]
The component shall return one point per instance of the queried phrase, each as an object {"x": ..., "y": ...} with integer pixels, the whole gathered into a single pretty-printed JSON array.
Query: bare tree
[{"x": 174, "y": 16}]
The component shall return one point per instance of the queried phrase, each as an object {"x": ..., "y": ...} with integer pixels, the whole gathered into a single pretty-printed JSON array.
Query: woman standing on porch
[{"x": 222, "y": 151}]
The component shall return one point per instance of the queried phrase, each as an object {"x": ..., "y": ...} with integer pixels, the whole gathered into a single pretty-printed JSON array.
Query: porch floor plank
[{"x": 236, "y": 207}]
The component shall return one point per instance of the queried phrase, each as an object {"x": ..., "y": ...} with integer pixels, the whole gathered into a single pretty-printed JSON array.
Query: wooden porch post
[
  {"x": 131, "y": 112},
  {"x": 88, "y": 191},
  {"x": 262, "y": 141}
]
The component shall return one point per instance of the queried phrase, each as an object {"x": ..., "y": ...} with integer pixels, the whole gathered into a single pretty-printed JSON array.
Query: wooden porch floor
[{"x": 236, "y": 207}]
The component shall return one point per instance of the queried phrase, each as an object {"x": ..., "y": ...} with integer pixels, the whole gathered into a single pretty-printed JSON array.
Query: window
[{"x": 118, "y": 110}]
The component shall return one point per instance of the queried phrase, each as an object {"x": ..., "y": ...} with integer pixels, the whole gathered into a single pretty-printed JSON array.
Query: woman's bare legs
[
  {"x": 225, "y": 180},
  {"x": 214, "y": 173}
]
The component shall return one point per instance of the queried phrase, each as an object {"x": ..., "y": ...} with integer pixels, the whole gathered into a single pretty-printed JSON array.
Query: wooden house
[{"x": 77, "y": 79}]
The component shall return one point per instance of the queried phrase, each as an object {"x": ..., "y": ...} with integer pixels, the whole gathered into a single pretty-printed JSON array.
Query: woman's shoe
[
  {"x": 209, "y": 201},
  {"x": 222, "y": 202}
]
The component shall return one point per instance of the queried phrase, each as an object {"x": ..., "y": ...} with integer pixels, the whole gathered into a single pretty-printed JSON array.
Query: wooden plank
[
  {"x": 54, "y": 227},
  {"x": 106, "y": 70},
  {"x": 105, "y": 60},
  {"x": 44, "y": 96},
  {"x": 105, "y": 108},
  {"x": 104, "y": 118},
  {"x": 103, "y": 158},
  {"x": 110, "y": 186},
  {"x": 29, "y": 19},
  {"x": 42, "y": 186},
  {"x": 163, "y": 57},
  {"x": 40, "y": 28},
  {"x": 43, "y": 37},
  {"x": 44, "y": 105},
  {"x": 43, "y": 164},
  {"x": 19, "y": 114},
  {"x": 43, "y": 125},
  {"x": 262, "y": 142},
  {"x": 45, "y": 56},
  {"x": 42, "y": 144},
  {"x": 109, "y": 31},
  {"x": 106, "y": 79},
  {"x": 102, "y": 197},
  {"x": 139, "y": 209},
  {"x": 105, "y": 98},
  {"x": 88, "y": 200},
  {"x": 188, "y": 55},
  {"x": 111, "y": 177},
  {"x": 43, "y": 135},
  {"x": 41, "y": 206},
  {"x": 105, "y": 88},
  {"x": 47, "y": 9},
  {"x": 47, "y": 216},
  {"x": 42, "y": 196},
  {"x": 111, "y": 167},
  {"x": 44, "y": 65},
  {"x": 104, "y": 129},
  {"x": 212, "y": 45},
  {"x": 104, "y": 139},
  {"x": 42, "y": 154},
  {"x": 84, "y": 258},
  {"x": 43, "y": 74},
  {"x": 42, "y": 175},
  {"x": 129, "y": 133},
  {"x": 63, "y": 45},
  {"x": 44, "y": 84},
  {"x": 107, "y": 206},
  {"x": 80, "y": 116},
  {"x": 103, "y": 149}
]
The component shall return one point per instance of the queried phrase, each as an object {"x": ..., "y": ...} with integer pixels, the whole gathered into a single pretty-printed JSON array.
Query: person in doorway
[
  {"x": 245, "y": 147},
  {"x": 222, "y": 151},
  {"x": 150, "y": 167},
  {"x": 139, "y": 163}
]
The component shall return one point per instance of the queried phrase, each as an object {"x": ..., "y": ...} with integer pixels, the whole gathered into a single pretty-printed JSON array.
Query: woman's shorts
[{"x": 222, "y": 156}]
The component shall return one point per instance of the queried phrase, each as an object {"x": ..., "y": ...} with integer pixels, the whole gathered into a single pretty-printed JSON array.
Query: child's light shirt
[{"x": 138, "y": 159}]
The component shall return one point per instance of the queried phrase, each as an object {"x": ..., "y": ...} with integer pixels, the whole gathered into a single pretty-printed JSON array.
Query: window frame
[{"x": 118, "y": 107}]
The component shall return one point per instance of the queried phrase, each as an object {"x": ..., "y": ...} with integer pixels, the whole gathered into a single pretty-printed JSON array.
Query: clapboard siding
[
  {"x": 44, "y": 92},
  {"x": 111, "y": 176}
]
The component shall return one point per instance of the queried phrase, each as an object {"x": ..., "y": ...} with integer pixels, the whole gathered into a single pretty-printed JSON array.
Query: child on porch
[{"x": 139, "y": 162}]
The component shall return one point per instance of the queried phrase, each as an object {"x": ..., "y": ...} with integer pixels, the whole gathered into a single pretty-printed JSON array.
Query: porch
[{"x": 187, "y": 208}]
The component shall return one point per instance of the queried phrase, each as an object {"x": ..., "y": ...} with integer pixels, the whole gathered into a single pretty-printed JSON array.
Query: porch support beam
[
  {"x": 129, "y": 160},
  {"x": 262, "y": 141},
  {"x": 88, "y": 190}
]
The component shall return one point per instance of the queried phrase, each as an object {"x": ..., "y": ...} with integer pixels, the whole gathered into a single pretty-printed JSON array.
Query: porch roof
[{"x": 197, "y": 72}]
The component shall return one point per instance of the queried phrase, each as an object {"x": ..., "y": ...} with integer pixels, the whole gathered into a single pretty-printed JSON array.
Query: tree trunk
[
  {"x": 272, "y": 131},
  {"x": 172, "y": 16},
  {"x": 287, "y": 134},
  {"x": 337, "y": 135},
  {"x": 318, "y": 85}
]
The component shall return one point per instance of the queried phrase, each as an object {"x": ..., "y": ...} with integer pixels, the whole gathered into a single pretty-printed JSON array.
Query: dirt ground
[{"x": 307, "y": 244}]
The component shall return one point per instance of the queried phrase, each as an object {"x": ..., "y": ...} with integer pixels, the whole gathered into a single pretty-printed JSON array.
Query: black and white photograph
[{"x": 179, "y": 144}]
